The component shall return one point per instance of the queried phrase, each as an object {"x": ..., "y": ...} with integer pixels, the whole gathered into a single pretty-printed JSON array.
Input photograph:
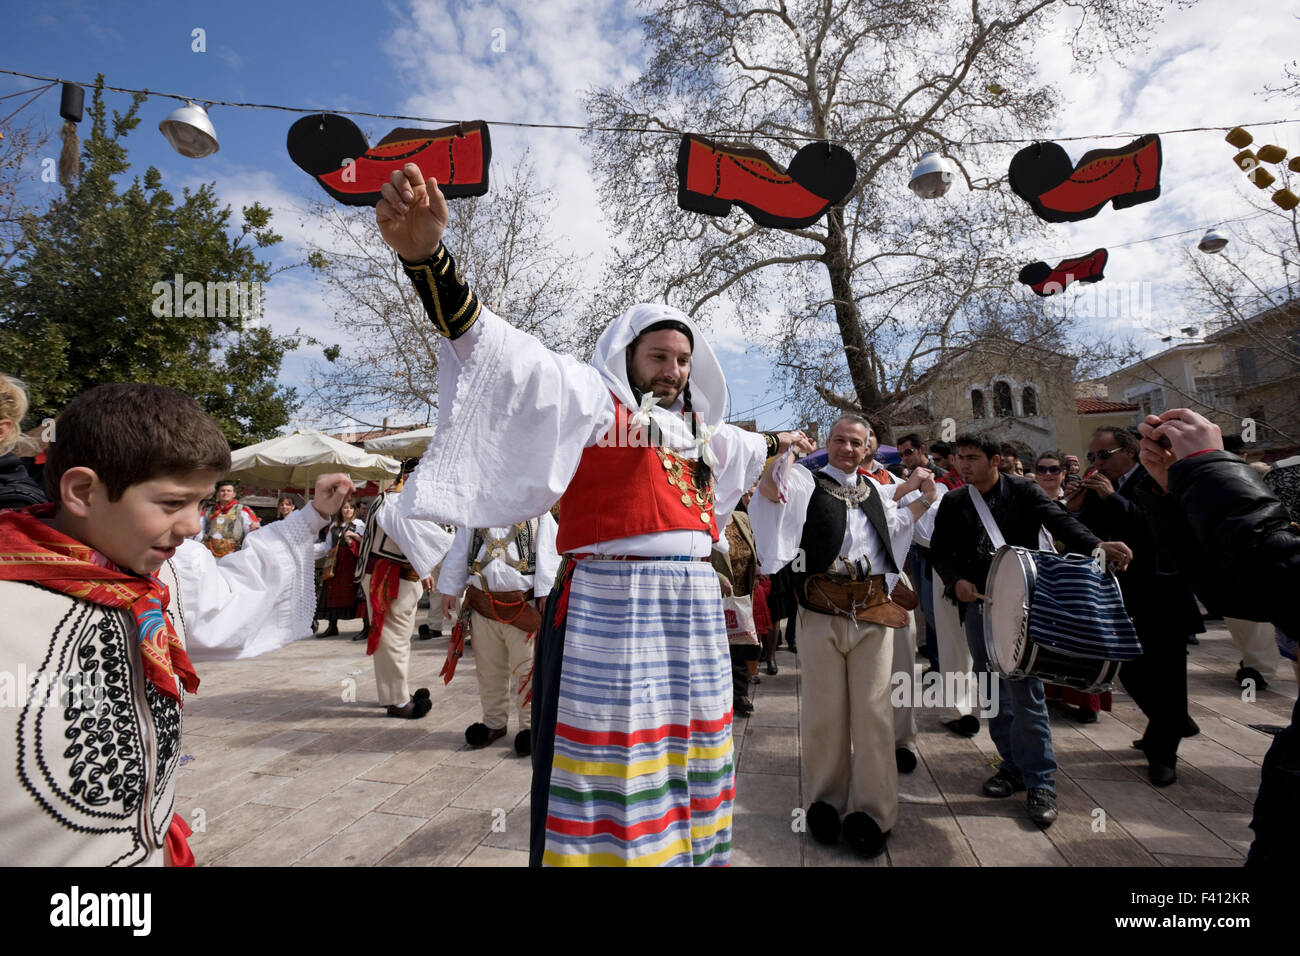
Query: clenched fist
[{"x": 411, "y": 214}]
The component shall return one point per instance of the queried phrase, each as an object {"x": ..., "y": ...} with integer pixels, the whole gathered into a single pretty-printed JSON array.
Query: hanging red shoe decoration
[
  {"x": 334, "y": 152},
  {"x": 1046, "y": 280},
  {"x": 712, "y": 178},
  {"x": 1061, "y": 191}
]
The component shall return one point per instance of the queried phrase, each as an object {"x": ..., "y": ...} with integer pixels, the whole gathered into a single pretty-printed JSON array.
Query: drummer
[{"x": 961, "y": 551}]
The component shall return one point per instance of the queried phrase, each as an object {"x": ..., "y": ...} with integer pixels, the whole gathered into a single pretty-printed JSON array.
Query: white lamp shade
[
  {"x": 190, "y": 132},
  {"x": 1212, "y": 242},
  {"x": 931, "y": 177}
]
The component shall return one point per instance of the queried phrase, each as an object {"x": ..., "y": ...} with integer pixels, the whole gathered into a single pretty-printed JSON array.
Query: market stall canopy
[
  {"x": 410, "y": 444},
  {"x": 299, "y": 459}
]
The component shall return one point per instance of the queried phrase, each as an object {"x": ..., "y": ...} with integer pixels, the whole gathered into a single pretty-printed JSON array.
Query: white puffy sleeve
[
  {"x": 423, "y": 541},
  {"x": 901, "y": 524},
  {"x": 740, "y": 455},
  {"x": 255, "y": 600},
  {"x": 778, "y": 525},
  {"x": 548, "y": 560},
  {"x": 455, "y": 566},
  {"x": 514, "y": 418},
  {"x": 925, "y": 523}
]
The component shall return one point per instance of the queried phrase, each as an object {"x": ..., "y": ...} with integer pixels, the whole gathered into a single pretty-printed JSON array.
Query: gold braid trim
[{"x": 447, "y": 297}]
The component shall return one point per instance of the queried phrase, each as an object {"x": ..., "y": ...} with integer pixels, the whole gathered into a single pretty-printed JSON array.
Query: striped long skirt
[{"x": 632, "y": 757}]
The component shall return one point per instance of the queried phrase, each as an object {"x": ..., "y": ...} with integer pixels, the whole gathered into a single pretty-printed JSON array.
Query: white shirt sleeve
[
  {"x": 741, "y": 455},
  {"x": 255, "y": 600},
  {"x": 925, "y": 524},
  {"x": 514, "y": 418},
  {"x": 778, "y": 526},
  {"x": 455, "y": 566},
  {"x": 421, "y": 540},
  {"x": 249, "y": 520},
  {"x": 548, "y": 559}
]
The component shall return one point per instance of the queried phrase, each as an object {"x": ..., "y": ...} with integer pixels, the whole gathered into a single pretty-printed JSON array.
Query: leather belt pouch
[
  {"x": 509, "y": 607},
  {"x": 904, "y": 596},
  {"x": 864, "y": 601}
]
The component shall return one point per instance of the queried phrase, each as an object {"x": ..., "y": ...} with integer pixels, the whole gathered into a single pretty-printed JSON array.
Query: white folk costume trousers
[
  {"x": 393, "y": 654},
  {"x": 955, "y": 662},
  {"x": 846, "y": 722},
  {"x": 503, "y": 660},
  {"x": 1255, "y": 641},
  {"x": 905, "y": 663}
]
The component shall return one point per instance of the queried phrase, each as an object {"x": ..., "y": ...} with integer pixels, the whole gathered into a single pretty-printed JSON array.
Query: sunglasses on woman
[{"x": 1048, "y": 469}]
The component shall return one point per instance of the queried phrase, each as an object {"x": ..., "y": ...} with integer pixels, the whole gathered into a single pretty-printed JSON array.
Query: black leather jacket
[{"x": 1231, "y": 537}]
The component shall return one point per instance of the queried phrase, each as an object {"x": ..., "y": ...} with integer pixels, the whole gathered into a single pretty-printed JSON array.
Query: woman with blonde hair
[{"x": 17, "y": 490}]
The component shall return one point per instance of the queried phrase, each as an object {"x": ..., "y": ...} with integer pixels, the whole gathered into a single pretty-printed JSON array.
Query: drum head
[{"x": 1007, "y": 594}]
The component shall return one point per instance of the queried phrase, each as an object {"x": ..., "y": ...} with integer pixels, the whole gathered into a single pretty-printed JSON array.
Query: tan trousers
[
  {"x": 846, "y": 724},
  {"x": 1257, "y": 645},
  {"x": 503, "y": 660},
  {"x": 394, "y": 650},
  {"x": 955, "y": 662},
  {"x": 904, "y": 662}
]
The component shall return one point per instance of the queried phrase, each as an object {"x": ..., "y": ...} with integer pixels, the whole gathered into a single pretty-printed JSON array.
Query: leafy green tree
[{"x": 91, "y": 298}]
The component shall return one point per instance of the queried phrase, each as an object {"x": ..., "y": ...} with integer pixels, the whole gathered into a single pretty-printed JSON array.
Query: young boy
[{"x": 106, "y": 605}]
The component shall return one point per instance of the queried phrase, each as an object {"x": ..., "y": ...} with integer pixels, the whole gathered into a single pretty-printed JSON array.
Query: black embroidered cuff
[
  {"x": 447, "y": 297},
  {"x": 773, "y": 443}
]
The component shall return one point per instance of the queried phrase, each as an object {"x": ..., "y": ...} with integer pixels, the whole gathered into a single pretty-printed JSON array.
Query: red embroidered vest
[{"x": 624, "y": 487}]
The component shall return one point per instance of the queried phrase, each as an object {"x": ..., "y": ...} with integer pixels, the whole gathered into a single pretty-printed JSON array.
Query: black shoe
[
  {"x": 331, "y": 631},
  {"x": 423, "y": 692},
  {"x": 793, "y": 649},
  {"x": 524, "y": 743},
  {"x": 905, "y": 759},
  {"x": 1002, "y": 784},
  {"x": 480, "y": 734},
  {"x": 1161, "y": 775},
  {"x": 413, "y": 709},
  {"x": 1192, "y": 728},
  {"x": 424, "y": 634},
  {"x": 771, "y": 667},
  {"x": 824, "y": 823},
  {"x": 1085, "y": 715},
  {"x": 1042, "y": 806},
  {"x": 1249, "y": 673},
  {"x": 742, "y": 706},
  {"x": 968, "y": 725},
  {"x": 365, "y": 631},
  {"x": 1191, "y": 639},
  {"x": 863, "y": 835}
]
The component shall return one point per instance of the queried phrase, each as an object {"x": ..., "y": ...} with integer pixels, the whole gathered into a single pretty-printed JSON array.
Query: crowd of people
[{"x": 622, "y": 563}]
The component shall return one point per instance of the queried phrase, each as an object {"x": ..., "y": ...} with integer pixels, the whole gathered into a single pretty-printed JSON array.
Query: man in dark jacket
[
  {"x": 1217, "y": 521},
  {"x": 962, "y": 552},
  {"x": 1158, "y": 600}
]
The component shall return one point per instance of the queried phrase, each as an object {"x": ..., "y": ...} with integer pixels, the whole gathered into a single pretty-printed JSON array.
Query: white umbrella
[
  {"x": 297, "y": 460},
  {"x": 410, "y": 444}
]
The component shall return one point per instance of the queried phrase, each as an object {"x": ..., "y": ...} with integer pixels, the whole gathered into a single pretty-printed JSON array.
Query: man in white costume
[
  {"x": 845, "y": 534},
  {"x": 505, "y": 574},
  {"x": 632, "y": 754}
]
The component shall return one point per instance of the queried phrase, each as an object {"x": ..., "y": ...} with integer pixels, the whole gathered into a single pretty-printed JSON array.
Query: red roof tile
[{"x": 1095, "y": 406}]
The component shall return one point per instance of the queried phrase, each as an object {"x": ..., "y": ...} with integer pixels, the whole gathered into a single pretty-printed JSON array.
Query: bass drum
[{"x": 1013, "y": 653}]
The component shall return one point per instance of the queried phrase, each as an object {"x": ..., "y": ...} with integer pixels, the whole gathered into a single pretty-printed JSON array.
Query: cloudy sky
[{"x": 531, "y": 62}]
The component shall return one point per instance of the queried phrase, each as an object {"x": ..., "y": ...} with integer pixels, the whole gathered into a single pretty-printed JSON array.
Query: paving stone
[
  {"x": 231, "y": 793},
  {"x": 1233, "y": 828},
  {"x": 928, "y": 835},
  {"x": 770, "y": 750},
  {"x": 365, "y": 842},
  {"x": 513, "y": 835},
  {"x": 1086, "y": 837},
  {"x": 305, "y": 789},
  {"x": 501, "y": 788},
  {"x": 432, "y": 792},
  {"x": 231, "y": 831},
  {"x": 299, "y": 834},
  {"x": 1154, "y": 821},
  {"x": 762, "y": 820},
  {"x": 1009, "y": 841},
  {"x": 1236, "y": 737},
  {"x": 1218, "y": 762},
  {"x": 446, "y": 840},
  {"x": 496, "y": 856},
  {"x": 1171, "y": 859}
]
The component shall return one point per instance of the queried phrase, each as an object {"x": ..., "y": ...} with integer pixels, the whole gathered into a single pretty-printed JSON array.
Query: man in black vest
[
  {"x": 841, "y": 535},
  {"x": 1162, "y": 606},
  {"x": 962, "y": 551}
]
